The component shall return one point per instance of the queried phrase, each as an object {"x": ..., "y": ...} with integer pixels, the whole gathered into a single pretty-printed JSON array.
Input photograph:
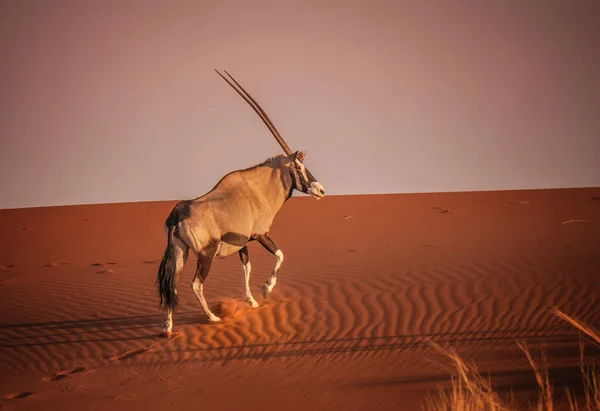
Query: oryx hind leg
[
  {"x": 247, "y": 268},
  {"x": 205, "y": 260},
  {"x": 270, "y": 245},
  {"x": 180, "y": 255}
]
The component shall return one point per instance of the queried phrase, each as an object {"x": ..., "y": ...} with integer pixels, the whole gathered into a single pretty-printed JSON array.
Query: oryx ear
[{"x": 300, "y": 155}]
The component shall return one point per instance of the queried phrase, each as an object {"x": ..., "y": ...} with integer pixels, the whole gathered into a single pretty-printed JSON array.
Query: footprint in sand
[
  {"x": 512, "y": 202},
  {"x": 18, "y": 395},
  {"x": 123, "y": 397},
  {"x": 55, "y": 264},
  {"x": 64, "y": 374},
  {"x": 150, "y": 261},
  {"x": 105, "y": 270},
  {"x": 131, "y": 353},
  {"x": 6, "y": 267}
]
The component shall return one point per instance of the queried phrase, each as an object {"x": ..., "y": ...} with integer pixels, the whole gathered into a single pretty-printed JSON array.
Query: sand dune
[{"x": 367, "y": 280}]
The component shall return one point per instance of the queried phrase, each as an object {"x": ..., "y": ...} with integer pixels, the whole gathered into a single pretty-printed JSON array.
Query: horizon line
[{"x": 303, "y": 195}]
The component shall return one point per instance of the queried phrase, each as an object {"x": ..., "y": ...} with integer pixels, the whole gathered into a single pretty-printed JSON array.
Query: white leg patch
[
  {"x": 249, "y": 298},
  {"x": 198, "y": 288},
  {"x": 268, "y": 287},
  {"x": 168, "y": 324}
]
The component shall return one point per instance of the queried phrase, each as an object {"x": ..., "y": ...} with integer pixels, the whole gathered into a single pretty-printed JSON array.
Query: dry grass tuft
[
  {"x": 470, "y": 391},
  {"x": 545, "y": 401}
]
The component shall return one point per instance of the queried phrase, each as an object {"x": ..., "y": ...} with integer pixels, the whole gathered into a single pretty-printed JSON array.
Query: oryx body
[{"x": 239, "y": 209}]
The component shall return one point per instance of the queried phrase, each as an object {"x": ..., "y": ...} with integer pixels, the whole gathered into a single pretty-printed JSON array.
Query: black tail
[{"x": 166, "y": 275}]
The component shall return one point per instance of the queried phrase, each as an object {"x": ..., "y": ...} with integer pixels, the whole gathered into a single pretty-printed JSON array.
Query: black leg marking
[
  {"x": 235, "y": 239},
  {"x": 267, "y": 242},
  {"x": 203, "y": 266},
  {"x": 244, "y": 258}
]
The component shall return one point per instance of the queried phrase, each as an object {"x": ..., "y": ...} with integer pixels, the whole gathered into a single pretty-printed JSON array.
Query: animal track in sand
[
  {"x": 6, "y": 267},
  {"x": 150, "y": 261},
  {"x": 55, "y": 264},
  {"x": 18, "y": 395},
  {"x": 512, "y": 202},
  {"x": 111, "y": 361},
  {"x": 123, "y": 397},
  {"x": 64, "y": 374},
  {"x": 105, "y": 270},
  {"x": 131, "y": 353}
]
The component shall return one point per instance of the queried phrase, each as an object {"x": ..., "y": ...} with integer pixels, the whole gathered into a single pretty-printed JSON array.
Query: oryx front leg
[
  {"x": 204, "y": 263},
  {"x": 247, "y": 268},
  {"x": 269, "y": 244}
]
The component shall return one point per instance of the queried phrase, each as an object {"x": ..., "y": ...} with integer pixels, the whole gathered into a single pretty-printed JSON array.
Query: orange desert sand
[{"x": 366, "y": 282}]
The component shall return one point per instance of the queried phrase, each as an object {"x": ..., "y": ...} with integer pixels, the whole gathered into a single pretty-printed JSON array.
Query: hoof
[
  {"x": 265, "y": 291},
  {"x": 214, "y": 319},
  {"x": 165, "y": 334},
  {"x": 252, "y": 303}
]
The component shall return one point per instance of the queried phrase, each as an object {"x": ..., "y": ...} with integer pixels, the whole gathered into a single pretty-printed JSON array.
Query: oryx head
[{"x": 302, "y": 179}]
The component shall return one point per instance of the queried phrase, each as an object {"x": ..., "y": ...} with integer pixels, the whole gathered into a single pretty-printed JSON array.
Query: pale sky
[{"x": 117, "y": 101}]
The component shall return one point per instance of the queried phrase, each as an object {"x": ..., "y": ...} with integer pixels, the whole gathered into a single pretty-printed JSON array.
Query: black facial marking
[
  {"x": 238, "y": 240},
  {"x": 288, "y": 186}
]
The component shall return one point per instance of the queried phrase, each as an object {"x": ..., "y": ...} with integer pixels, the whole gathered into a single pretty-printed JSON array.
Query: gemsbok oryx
[{"x": 239, "y": 209}]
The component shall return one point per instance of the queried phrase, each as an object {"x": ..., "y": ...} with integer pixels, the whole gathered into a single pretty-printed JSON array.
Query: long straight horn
[{"x": 259, "y": 110}]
